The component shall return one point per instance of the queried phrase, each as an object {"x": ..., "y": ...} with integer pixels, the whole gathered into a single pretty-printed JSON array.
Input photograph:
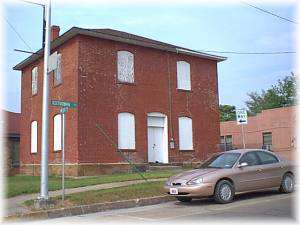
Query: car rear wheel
[
  {"x": 287, "y": 183},
  {"x": 184, "y": 199},
  {"x": 224, "y": 192}
]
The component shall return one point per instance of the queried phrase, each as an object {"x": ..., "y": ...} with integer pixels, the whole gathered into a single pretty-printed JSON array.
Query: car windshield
[{"x": 221, "y": 161}]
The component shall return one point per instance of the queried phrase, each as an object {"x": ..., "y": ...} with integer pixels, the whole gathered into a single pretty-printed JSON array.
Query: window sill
[
  {"x": 126, "y": 83},
  {"x": 32, "y": 95},
  {"x": 57, "y": 151},
  {"x": 57, "y": 85},
  {"x": 187, "y": 150},
  {"x": 183, "y": 90},
  {"x": 33, "y": 153},
  {"x": 126, "y": 150}
]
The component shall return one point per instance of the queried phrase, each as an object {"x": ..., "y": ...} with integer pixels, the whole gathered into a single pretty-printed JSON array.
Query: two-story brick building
[{"x": 158, "y": 102}]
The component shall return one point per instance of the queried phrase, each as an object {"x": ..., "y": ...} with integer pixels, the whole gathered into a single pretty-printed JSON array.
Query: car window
[
  {"x": 267, "y": 158},
  {"x": 222, "y": 161},
  {"x": 250, "y": 158}
]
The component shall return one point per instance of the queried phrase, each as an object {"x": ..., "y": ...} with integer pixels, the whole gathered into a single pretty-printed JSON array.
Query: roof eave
[
  {"x": 76, "y": 30},
  {"x": 39, "y": 54}
]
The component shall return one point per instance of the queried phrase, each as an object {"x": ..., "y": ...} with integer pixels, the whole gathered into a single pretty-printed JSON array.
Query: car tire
[
  {"x": 287, "y": 183},
  {"x": 224, "y": 192},
  {"x": 184, "y": 199}
]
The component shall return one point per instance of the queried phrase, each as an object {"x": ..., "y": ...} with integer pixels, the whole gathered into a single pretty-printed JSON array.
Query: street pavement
[{"x": 264, "y": 205}]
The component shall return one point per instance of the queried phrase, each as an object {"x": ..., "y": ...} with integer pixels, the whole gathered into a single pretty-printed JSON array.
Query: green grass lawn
[
  {"x": 135, "y": 191},
  {"x": 18, "y": 185}
]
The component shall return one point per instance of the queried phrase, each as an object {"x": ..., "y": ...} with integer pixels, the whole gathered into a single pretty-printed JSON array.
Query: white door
[
  {"x": 155, "y": 144},
  {"x": 157, "y": 138}
]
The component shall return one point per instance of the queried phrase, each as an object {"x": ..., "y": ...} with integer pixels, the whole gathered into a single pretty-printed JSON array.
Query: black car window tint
[
  {"x": 250, "y": 158},
  {"x": 267, "y": 158}
]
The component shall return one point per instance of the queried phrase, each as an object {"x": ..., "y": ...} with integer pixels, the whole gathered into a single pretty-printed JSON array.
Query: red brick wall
[
  {"x": 101, "y": 98},
  {"x": 281, "y": 122},
  {"x": 89, "y": 74},
  {"x": 31, "y": 106}
]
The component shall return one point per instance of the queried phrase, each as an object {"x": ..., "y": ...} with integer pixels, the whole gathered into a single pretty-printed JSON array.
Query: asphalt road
[{"x": 266, "y": 205}]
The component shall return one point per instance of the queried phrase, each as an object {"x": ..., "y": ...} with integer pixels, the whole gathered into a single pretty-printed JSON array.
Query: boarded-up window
[
  {"x": 126, "y": 131},
  {"x": 183, "y": 75},
  {"x": 34, "y": 80},
  {"x": 185, "y": 133},
  {"x": 34, "y": 134},
  {"x": 57, "y": 71},
  {"x": 125, "y": 67},
  {"x": 57, "y": 132}
]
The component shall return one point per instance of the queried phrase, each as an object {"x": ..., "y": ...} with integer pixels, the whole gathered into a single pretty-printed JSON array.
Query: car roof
[{"x": 245, "y": 150}]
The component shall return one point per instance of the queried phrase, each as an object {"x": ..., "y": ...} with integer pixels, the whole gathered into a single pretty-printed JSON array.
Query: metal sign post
[
  {"x": 241, "y": 119},
  {"x": 243, "y": 136},
  {"x": 64, "y": 106},
  {"x": 63, "y": 112}
]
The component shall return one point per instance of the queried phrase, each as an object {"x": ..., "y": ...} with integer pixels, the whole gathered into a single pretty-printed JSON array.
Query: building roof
[
  {"x": 119, "y": 36},
  {"x": 12, "y": 123}
]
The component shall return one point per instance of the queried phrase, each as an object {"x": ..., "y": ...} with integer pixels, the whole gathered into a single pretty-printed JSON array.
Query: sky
[{"x": 195, "y": 25}]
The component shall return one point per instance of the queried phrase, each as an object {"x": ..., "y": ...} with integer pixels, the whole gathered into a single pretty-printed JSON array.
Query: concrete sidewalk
[{"x": 13, "y": 205}]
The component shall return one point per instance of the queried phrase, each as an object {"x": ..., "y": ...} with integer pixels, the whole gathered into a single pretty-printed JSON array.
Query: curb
[{"x": 86, "y": 209}]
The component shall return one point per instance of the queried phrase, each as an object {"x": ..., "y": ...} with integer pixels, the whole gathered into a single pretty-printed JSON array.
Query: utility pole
[{"x": 45, "y": 108}]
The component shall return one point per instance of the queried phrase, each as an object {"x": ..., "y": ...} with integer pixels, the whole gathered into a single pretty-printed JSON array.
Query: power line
[
  {"x": 12, "y": 27},
  {"x": 250, "y": 53},
  {"x": 268, "y": 12},
  {"x": 35, "y": 3}
]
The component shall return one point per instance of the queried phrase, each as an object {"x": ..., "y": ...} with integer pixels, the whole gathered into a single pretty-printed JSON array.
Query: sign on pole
[
  {"x": 64, "y": 104},
  {"x": 52, "y": 62},
  {"x": 241, "y": 116}
]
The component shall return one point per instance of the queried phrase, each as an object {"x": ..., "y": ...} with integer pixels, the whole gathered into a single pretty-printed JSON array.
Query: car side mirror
[{"x": 243, "y": 164}]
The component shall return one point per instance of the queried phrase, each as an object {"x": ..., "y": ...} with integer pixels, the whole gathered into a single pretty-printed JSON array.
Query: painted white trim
[
  {"x": 34, "y": 137},
  {"x": 165, "y": 156},
  {"x": 57, "y": 132},
  {"x": 185, "y": 127},
  {"x": 126, "y": 130}
]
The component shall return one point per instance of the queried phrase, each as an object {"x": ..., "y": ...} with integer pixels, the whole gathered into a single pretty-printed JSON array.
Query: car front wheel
[
  {"x": 287, "y": 183},
  {"x": 224, "y": 192}
]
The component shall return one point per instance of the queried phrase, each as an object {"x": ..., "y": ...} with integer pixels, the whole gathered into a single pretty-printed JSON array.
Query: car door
[
  {"x": 271, "y": 169},
  {"x": 249, "y": 177}
]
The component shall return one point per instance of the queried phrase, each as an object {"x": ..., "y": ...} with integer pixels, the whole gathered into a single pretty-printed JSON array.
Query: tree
[
  {"x": 227, "y": 113},
  {"x": 282, "y": 94}
]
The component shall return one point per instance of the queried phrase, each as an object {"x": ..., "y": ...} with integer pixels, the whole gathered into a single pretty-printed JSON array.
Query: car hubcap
[
  {"x": 225, "y": 192},
  {"x": 288, "y": 183}
]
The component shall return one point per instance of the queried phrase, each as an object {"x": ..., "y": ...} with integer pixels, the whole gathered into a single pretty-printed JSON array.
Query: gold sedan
[{"x": 231, "y": 172}]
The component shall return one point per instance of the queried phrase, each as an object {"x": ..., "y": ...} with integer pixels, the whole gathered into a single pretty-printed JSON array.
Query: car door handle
[{"x": 259, "y": 170}]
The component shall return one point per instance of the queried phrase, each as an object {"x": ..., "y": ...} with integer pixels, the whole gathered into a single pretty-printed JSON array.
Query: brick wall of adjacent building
[
  {"x": 281, "y": 122},
  {"x": 89, "y": 71},
  {"x": 11, "y": 141}
]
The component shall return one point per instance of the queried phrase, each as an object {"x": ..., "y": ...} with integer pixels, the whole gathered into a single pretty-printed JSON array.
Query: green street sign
[{"x": 64, "y": 104}]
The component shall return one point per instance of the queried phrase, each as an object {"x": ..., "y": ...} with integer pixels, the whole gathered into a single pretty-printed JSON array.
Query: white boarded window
[
  {"x": 34, "y": 139},
  {"x": 34, "y": 80},
  {"x": 125, "y": 67},
  {"x": 185, "y": 133},
  {"x": 126, "y": 131},
  {"x": 57, "y": 71},
  {"x": 57, "y": 132},
  {"x": 183, "y": 75}
]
